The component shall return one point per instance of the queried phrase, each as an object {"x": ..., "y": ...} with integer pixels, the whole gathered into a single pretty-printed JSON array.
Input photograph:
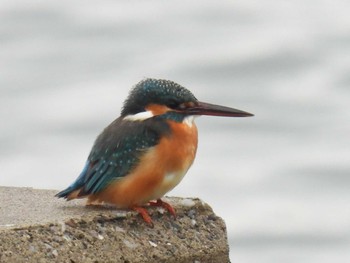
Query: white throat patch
[
  {"x": 189, "y": 120},
  {"x": 141, "y": 116}
]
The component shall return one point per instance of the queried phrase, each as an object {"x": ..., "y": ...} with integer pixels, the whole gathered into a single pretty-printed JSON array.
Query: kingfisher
[{"x": 145, "y": 152}]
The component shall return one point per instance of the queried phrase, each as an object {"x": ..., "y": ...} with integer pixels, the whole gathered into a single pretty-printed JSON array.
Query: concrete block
[{"x": 37, "y": 227}]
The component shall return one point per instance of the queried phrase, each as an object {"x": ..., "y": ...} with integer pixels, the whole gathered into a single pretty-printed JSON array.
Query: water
[{"x": 280, "y": 179}]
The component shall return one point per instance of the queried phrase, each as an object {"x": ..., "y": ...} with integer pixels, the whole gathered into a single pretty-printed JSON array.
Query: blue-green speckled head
[{"x": 156, "y": 91}]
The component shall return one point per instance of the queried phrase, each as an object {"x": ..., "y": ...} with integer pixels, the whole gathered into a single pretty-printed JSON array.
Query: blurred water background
[{"x": 280, "y": 180}]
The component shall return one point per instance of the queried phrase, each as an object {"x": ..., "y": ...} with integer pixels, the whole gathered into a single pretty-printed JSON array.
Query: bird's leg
[
  {"x": 143, "y": 212},
  {"x": 165, "y": 205}
]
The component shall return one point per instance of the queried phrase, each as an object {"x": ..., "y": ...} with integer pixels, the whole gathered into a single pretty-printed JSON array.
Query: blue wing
[{"x": 115, "y": 153}]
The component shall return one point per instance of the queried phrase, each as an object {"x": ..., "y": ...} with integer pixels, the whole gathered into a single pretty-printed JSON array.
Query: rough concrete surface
[{"x": 37, "y": 227}]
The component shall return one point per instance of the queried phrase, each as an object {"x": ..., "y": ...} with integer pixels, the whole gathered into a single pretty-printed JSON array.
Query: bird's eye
[{"x": 173, "y": 105}]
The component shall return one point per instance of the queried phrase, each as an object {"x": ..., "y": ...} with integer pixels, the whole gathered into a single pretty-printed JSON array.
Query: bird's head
[{"x": 152, "y": 97}]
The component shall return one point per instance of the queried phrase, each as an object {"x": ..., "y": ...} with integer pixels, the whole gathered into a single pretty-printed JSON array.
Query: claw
[
  {"x": 143, "y": 212},
  {"x": 165, "y": 205},
  {"x": 145, "y": 216}
]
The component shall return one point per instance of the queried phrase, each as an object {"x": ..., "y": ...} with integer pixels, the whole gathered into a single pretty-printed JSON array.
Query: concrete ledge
[{"x": 36, "y": 227}]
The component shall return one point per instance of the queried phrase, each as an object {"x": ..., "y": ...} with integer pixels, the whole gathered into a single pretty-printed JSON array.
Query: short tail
[
  {"x": 73, "y": 191},
  {"x": 70, "y": 193},
  {"x": 66, "y": 193}
]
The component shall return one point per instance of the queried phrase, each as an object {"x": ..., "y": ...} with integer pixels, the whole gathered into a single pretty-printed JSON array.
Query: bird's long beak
[{"x": 203, "y": 108}]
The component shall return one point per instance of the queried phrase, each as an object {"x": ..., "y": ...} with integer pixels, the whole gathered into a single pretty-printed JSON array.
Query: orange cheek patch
[{"x": 157, "y": 109}]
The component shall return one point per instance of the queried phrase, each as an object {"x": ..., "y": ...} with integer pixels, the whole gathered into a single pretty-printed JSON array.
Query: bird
[{"x": 145, "y": 153}]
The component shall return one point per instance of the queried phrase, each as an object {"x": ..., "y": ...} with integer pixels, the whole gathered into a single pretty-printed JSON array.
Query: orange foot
[
  {"x": 165, "y": 205},
  {"x": 143, "y": 212}
]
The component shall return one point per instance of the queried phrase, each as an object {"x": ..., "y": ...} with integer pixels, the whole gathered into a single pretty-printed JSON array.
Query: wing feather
[{"x": 116, "y": 152}]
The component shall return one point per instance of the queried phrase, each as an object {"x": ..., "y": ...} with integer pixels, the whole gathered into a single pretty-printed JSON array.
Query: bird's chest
[{"x": 176, "y": 154}]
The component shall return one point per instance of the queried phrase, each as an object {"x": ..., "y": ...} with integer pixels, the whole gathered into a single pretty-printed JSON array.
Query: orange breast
[{"x": 159, "y": 171}]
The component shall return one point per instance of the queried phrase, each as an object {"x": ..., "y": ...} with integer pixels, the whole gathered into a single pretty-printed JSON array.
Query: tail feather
[
  {"x": 66, "y": 193},
  {"x": 73, "y": 191}
]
